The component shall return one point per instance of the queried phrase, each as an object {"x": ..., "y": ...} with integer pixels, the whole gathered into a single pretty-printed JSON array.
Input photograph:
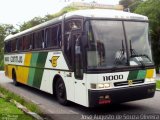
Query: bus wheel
[
  {"x": 61, "y": 92},
  {"x": 14, "y": 78}
]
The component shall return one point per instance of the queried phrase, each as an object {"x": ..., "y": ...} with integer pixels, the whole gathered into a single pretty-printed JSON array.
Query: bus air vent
[{"x": 125, "y": 83}]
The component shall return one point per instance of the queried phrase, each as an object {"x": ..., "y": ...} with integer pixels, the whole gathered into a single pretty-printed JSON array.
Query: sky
[{"x": 18, "y": 11}]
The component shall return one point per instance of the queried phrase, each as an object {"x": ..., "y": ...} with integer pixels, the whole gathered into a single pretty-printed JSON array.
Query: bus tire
[
  {"x": 14, "y": 77},
  {"x": 61, "y": 92}
]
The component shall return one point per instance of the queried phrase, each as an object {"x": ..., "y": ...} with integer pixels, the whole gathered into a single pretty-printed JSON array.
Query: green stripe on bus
[
  {"x": 32, "y": 70},
  {"x": 34, "y": 59},
  {"x": 141, "y": 74},
  {"x": 39, "y": 71},
  {"x": 31, "y": 76},
  {"x": 133, "y": 75}
]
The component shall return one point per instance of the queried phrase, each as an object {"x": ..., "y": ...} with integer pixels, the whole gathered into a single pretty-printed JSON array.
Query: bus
[{"x": 91, "y": 57}]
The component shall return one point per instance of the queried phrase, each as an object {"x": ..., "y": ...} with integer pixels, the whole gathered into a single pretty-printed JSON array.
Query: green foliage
[
  {"x": 33, "y": 22},
  {"x": 126, "y": 3},
  {"x": 158, "y": 84},
  {"x": 9, "y": 95},
  {"x": 132, "y": 4},
  {"x": 151, "y": 9},
  {"x": 64, "y": 10},
  {"x": 38, "y": 20},
  {"x": 5, "y": 29},
  {"x": 10, "y": 111}
]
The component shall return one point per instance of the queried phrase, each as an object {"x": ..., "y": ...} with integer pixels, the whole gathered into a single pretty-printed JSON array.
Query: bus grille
[{"x": 127, "y": 82}]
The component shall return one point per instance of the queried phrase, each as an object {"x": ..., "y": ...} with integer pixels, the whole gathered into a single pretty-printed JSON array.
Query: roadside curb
[
  {"x": 45, "y": 114},
  {"x": 157, "y": 89},
  {"x": 24, "y": 109}
]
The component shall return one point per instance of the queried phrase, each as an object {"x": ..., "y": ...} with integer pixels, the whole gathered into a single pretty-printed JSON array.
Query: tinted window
[
  {"x": 106, "y": 44},
  {"x": 27, "y": 42},
  {"x": 8, "y": 46},
  {"x": 53, "y": 36},
  {"x": 39, "y": 40},
  {"x": 20, "y": 43},
  {"x": 70, "y": 25},
  {"x": 13, "y": 45}
]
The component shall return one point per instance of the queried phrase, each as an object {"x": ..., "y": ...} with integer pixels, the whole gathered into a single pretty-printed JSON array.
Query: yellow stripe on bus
[
  {"x": 24, "y": 71},
  {"x": 150, "y": 73},
  {"x": 27, "y": 59}
]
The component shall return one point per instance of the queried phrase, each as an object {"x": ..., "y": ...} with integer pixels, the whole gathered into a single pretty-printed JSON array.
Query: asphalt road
[{"x": 144, "y": 109}]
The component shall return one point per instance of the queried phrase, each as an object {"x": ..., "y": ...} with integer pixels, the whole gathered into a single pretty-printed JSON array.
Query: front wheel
[{"x": 61, "y": 92}]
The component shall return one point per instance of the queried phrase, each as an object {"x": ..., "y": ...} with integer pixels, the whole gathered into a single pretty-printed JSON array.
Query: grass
[
  {"x": 10, "y": 111},
  {"x": 158, "y": 84},
  {"x": 10, "y": 95}
]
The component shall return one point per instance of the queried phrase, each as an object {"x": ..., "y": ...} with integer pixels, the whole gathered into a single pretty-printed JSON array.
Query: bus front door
[{"x": 80, "y": 85}]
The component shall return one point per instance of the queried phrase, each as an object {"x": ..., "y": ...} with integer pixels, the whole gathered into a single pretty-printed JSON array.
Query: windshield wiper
[
  {"x": 134, "y": 54},
  {"x": 120, "y": 55}
]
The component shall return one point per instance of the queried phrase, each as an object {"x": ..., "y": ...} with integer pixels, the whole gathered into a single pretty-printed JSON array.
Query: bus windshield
[{"x": 107, "y": 46}]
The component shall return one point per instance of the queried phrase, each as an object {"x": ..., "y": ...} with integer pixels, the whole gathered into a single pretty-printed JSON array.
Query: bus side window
[
  {"x": 41, "y": 35},
  {"x": 48, "y": 37},
  {"x": 39, "y": 39},
  {"x": 24, "y": 42},
  {"x": 53, "y": 36},
  {"x": 31, "y": 42},
  {"x": 20, "y": 44},
  {"x": 13, "y": 45},
  {"x": 35, "y": 40},
  {"x": 59, "y": 36},
  {"x": 27, "y": 42},
  {"x": 8, "y": 47},
  {"x": 70, "y": 26}
]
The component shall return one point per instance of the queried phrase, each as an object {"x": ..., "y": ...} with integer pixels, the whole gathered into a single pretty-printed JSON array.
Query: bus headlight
[
  {"x": 150, "y": 80},
  {"x": 100, "y": 86}
]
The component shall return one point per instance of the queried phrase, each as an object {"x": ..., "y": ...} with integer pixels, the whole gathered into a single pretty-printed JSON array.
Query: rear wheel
[
  {"x": 14, "y": 77},
  {"x": 61, "y": 92}
]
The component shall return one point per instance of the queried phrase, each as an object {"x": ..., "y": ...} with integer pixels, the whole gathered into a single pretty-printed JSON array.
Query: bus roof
[
  {"x": 90, "y": 13},
  {"x": 107, "y": 13}
]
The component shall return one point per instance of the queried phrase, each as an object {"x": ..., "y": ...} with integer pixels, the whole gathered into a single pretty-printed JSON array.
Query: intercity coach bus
[{"x": 91, "y": 57}]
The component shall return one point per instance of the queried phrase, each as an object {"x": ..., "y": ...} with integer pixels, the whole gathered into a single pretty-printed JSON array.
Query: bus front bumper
[{"x": 119, "y": 95}]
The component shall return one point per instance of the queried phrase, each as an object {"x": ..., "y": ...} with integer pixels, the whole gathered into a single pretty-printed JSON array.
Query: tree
[
  {"x": 151, "y": 9},
  {"x": 38, "y": 20},
  {"x": 31, "y": 23},
  {"x": 132, "y": 4},
  {"x": 5, "y": 30},
  {"x": 126, "y": 3}
]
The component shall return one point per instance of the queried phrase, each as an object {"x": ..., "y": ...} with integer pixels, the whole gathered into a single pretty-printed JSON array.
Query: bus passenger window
[
  {"x": 53, "y": 36},
  {"x": 13, "y": 45},
  {"x": 70, "y": 26},
  {"x": 24, "y": 43},
  {"x": 38, "y": 39},
  {"x": 20, "y": 44},
  {"x": 27, "y": 42},
  {"x": 8, "y": 47},
  {"x": 59, "y": 36}
]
